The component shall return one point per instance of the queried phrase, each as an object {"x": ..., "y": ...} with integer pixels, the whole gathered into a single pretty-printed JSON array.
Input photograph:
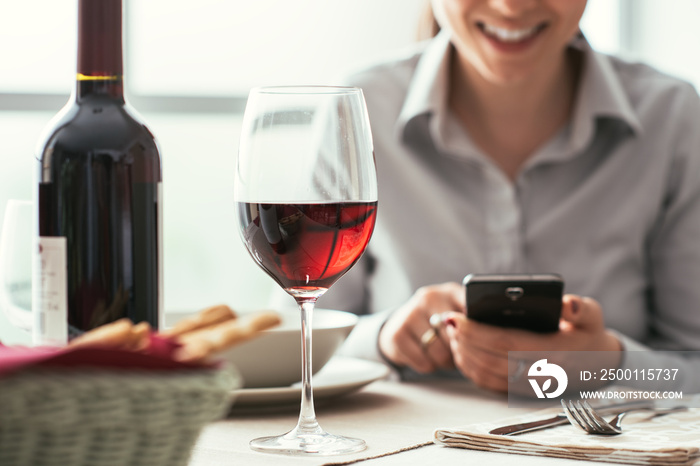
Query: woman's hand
[
  {"x": 400, "y": 338},
  {"x": 480, "y": 351}
]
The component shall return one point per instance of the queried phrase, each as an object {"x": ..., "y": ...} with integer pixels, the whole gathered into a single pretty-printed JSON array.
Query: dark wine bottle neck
[
  {"x": 112, "y": 88},
  {"x": 100, "y": 64}
]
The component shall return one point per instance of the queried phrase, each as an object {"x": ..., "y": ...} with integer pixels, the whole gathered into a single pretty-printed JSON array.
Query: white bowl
[{"x": 273, "y": 359}]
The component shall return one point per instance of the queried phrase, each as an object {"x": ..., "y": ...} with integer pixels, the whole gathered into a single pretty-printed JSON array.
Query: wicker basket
[{"x": 72, "y": 417}]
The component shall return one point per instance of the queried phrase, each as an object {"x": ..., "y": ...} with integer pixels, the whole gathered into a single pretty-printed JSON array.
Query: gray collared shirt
[{"x": 611, "y": 202}]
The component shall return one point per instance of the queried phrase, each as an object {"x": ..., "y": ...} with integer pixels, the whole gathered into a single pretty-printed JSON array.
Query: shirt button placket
[{"x": 501, "y": 222}]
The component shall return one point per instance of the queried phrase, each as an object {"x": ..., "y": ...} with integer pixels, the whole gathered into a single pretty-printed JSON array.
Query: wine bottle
[{"x": 98, "y": 257}]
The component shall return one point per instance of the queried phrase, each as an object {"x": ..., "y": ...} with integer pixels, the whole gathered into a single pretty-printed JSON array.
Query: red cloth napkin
[{"x": 157, "y": 357}]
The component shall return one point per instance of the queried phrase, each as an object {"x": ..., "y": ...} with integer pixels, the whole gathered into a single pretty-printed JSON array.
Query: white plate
[{"x": 339, "y": 376}]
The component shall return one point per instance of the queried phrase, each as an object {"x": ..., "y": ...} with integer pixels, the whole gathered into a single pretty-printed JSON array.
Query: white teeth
[{"x": 510, "y": 35}]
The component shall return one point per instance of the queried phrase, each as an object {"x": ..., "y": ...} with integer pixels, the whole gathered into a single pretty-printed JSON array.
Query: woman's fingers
[
  {"x": 409, "y": 339},
  {"x": 488, "y": 369},
  {"x": 437, "y": 348},
  {"x": 400, "y": 343},
  {"x": 582, "y": 313}
]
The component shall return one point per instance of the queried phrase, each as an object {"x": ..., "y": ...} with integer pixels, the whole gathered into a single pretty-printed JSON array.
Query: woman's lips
[{"x": 510, "y": 39}]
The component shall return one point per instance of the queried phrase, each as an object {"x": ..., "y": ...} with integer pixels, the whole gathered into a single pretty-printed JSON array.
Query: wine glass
[{"x": 306, "y": 198}]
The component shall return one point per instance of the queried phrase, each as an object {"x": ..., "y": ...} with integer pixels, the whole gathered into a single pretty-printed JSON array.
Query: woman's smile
[{"x": 510, "y": 39}]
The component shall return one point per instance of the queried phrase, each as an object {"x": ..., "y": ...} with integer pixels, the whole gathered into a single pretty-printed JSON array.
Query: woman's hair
[{"x": 428, "y": 27}]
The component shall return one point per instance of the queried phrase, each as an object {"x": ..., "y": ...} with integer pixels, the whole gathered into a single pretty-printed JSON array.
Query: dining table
[{"x": 397, "y": 419}]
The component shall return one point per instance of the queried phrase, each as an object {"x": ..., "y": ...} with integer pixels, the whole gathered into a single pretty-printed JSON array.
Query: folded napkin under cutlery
[{"x": 671, "y": 439}]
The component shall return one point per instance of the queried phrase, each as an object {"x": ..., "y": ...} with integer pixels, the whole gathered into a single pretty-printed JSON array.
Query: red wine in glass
[{"x": 307, "y": 246}]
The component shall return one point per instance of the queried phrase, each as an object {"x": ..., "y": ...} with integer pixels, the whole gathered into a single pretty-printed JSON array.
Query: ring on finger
[{"x": 428, "y": 337}]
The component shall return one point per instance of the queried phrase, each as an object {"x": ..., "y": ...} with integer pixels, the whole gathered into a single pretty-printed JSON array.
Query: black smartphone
[{"x": 530, "y": 302}]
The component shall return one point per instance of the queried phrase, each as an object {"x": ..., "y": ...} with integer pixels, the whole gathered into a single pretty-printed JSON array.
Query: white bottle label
[{"x": 50, "y": 292}]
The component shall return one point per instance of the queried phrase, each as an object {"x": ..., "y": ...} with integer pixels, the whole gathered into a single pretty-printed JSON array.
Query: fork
[{"x": 582, "y": 415}]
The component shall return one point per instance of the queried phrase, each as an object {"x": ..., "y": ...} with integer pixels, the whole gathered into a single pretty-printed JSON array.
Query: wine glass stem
[{"x": 307, "y": 416}]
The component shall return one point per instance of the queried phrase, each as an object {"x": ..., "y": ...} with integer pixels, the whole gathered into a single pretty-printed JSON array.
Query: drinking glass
[
  {"x": 306, "y": 200},
  {"x": 16, "y": 263}
]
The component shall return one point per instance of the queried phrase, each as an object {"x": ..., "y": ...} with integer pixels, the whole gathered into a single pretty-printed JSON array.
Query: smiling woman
[{"x": 508, "y": 145}]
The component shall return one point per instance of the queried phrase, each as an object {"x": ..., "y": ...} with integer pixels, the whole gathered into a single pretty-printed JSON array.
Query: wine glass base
[{"x": 312, "y": 444}]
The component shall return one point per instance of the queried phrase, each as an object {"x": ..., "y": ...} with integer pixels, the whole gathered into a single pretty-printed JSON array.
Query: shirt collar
[
  {"x": 600, "y": 94},
  {"x": 427, "y": 92}
]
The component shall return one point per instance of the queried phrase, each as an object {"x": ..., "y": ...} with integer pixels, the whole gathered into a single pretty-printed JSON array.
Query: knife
[
  {"x": 561, "y": 418},
  {"x": 514, "y": 429}
]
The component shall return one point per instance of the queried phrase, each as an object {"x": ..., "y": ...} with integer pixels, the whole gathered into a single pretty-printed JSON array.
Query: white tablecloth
[{"x": 388, "y": 415}]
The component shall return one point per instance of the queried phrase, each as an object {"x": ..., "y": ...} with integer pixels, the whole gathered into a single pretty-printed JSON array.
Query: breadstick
[
  {"x": 204, "y": 318},
  {"x": 112, "y": 335},
  {"x": 139, "y": 336},
  {"x": 199, "y": 345}
]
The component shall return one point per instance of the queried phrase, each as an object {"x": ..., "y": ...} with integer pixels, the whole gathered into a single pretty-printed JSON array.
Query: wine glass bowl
[
  {"x": 306, "y": 197},
  {"x": 306, "y": 247}
]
